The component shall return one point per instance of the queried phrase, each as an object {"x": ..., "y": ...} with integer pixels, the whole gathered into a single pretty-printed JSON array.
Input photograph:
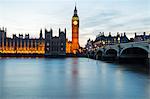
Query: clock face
[{"x": 75, "y": 22}]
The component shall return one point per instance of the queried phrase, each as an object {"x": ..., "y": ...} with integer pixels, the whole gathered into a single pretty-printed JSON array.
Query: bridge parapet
[
  {"x": 126, "y": 45},
  {"x": 142, "y": 43}
]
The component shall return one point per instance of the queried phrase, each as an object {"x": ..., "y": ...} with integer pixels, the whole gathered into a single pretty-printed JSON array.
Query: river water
[{"x": 70, "y": 78}]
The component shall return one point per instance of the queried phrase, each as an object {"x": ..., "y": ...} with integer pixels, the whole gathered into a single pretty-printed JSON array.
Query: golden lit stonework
[
  {"x": 21, "y": 45},
  {"x": 73, "y": 47},
  {"x": 40, "y": 49},
  {"x": 75, "y": 32}
]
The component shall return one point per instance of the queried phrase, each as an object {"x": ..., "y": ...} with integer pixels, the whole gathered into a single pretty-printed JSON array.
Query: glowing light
[{"x": 39, "y": 49}]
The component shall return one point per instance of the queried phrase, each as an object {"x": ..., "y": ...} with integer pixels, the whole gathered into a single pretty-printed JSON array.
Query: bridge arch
[
  {"x": 111, "y": 48},
  {"x": 99, "y": 54},
  {"x": 111, "y": 52},
  {"x": 135, "y": 52}
]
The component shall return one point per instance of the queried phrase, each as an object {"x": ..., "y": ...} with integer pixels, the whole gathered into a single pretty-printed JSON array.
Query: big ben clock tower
[{"x": 75, "y": 32}]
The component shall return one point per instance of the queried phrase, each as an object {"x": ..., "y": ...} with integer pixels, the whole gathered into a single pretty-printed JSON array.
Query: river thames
[{"x": 70, "y": 78}]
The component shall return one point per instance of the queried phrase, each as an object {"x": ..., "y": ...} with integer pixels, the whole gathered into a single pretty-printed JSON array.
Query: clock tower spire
[
  {"x": 75, "y": 31},
  {"x": 75, "y": 11}
]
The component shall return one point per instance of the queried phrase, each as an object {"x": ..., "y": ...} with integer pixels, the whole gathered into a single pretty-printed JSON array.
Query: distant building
[
  {"x": 55, "y": 45},
  {"x": 21, "y": 44},
  {"x": 3, "y": 33},
  {"x": 102, "y": 40},
  {"x": 89, "y": 45},
  {"x": 25, "y": 45},
  {"x": 143, "y": 37}
]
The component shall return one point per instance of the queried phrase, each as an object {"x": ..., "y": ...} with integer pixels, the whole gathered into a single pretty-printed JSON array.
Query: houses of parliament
[
  {"x": 20, "y": 44},
  {"x": 48, "y": 45}
]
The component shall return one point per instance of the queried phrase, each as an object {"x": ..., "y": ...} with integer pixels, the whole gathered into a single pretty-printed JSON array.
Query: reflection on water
[{"x": 70, "y": 78}]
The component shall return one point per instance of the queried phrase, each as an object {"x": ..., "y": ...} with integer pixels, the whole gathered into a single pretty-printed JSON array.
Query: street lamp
[{"x": 119, "y": 40}]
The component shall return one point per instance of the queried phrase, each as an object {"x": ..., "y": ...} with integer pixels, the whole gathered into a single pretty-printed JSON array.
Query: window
[
  {"x": 62, "y": 49},
  {"x": 62, "y": 44}
]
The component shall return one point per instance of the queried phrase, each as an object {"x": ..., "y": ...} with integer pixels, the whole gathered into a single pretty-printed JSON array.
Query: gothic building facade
[
  {"x": 2, "y": 38},
  {"x": 21, "y": 44},
  {"x": 55, "y": 45}
]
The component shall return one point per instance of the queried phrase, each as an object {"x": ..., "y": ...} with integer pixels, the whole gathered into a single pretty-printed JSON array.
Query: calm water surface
[{"x": 70, "y": 78}]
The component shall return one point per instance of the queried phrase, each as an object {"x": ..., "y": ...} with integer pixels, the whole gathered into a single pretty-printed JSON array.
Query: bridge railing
[{"x": 143, "y": 43}]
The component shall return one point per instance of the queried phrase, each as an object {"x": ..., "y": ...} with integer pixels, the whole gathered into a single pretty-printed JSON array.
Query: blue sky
[{"x": 29, "y": 16}]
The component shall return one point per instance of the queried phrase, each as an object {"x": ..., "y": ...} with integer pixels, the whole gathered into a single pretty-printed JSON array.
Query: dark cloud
[{"x": 101, "y": 18}]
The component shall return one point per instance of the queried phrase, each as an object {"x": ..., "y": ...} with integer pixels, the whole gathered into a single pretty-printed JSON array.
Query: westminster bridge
[{"x": 131, "y": 51}]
